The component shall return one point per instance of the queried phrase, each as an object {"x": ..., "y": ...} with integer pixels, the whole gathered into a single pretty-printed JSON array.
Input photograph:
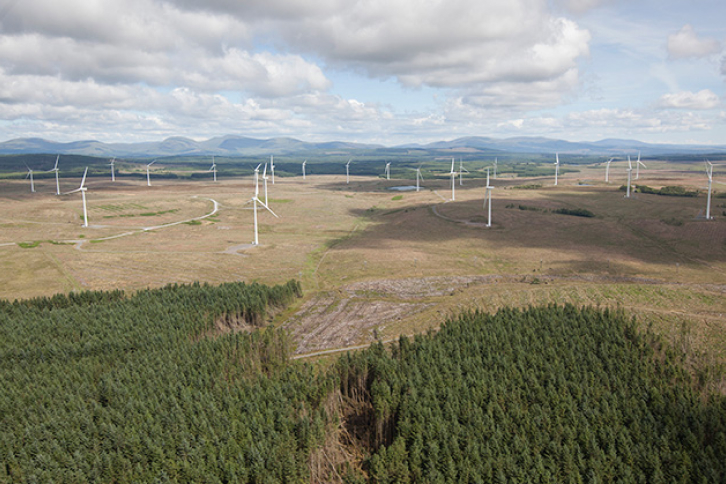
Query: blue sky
[{"x": 383, "y": 71}]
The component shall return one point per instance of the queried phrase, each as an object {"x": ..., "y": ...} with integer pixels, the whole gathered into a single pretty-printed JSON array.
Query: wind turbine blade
[
  {"x": 84, "y": 177},
  {"x": 72, "y": 191},
  {"x": 268, "y": 208},
  {"x": 264, "y": 172}
]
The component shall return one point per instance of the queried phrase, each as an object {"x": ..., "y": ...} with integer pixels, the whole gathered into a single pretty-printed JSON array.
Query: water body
[{"x": 404, "y": 188}]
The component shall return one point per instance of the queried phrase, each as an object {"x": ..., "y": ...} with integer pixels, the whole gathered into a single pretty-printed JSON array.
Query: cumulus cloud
[
  {"x": 704, "y": 99},
  {"x": 686, "y": 44}
]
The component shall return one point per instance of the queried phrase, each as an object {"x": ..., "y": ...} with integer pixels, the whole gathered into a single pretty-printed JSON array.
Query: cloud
[
  {"x": 686, "y": 44},
  {"x": 704, "y": 99}
]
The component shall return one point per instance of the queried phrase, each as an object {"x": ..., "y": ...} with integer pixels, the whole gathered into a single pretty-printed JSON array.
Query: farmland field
[{"x": 376, "y": 263}]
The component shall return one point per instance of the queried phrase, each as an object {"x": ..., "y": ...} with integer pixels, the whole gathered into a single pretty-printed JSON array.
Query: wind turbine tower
[
  {"x": 55, "y": 169},
  {"x": 488, "y": 202},
  {"x": 347, "y": 172},
  {"x": 255, "y": 200},
  {"x": 30, "y": 175},
  {"x": 637, "y": 166},
  {"x": 82, "y": 189},
  {"x": 461, "y": 172},
  {"x": 264, "y": 180},
  {"x": 630, "y": 175},
  {"x": 419, "y": 177},
  {"x": 148, "y": 177},
  {"x": 557, "y": 166},
  {"x": 213, "y": 169},
  {"x": 487, "y": 176},
  {"x": 272, "y": 168},
  {"x": 495, "y": 168},
  {"x": 709, "y": 174},
  {"x": 303, "y": 168},
  {"x": 453, "y": 181},
  {"x": 607, "y": 170},
  {"x": 113, "y": 175},
  {"x": 388, "y": 171}
]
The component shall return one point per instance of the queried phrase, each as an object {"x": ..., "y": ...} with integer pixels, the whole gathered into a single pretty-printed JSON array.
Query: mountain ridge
[{"x": 240, "y": 146}]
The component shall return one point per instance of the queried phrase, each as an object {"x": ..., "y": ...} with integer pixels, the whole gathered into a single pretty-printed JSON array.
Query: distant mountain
[
  {"x": 528, "y": 144},
  {"x": 232, "y": 145}
]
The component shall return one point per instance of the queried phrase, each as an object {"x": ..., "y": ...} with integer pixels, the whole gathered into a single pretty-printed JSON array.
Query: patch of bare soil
[{"x": 327, "y": 321}]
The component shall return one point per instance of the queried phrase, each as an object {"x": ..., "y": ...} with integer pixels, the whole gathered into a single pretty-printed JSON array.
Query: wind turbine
[
  {"x": 213, "y": 169},
  {"x": 453, "y": 181},
  {"x": 82, "y": 189},
  {"x": 347, "y": 172},
  {"x": 637, "y": 166},
  {"x": 388, "y": 171},
  {"x": 488, "y": 203},
  {"x": 30, "y": 175},
  {"x": 55, "y": 169},
  {"x": 487, "y": 176},
  {"x": 148, "y": 177},
  {"x": 607, "y": 170},
  {"x": 255, "y": 200},
  {"x": 557, "y": 166},
  {"x": 303, "y": 168},
  {"x": 418, "y": 177},
  {"x": 495, "y": 168},
  {"x": 709, "y": 174},
  {"x": 264, "y": 179},
  {"x": 113, "y": 175},
  {"x": 461, "y": 172},
  {"x": 630, "y": 174},
  {"x": 272, "y": 169}
]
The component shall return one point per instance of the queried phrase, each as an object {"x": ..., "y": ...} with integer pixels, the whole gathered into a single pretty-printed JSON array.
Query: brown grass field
[{"x": 375, "y": 265}]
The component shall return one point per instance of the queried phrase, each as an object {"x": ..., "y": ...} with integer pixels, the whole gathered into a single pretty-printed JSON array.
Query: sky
[{"x": 370, "y": 71}]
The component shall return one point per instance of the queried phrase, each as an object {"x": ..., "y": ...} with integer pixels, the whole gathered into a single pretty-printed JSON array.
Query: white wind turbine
[
  {"x": 272, "y": 168},
  {"x": 495, "y": 168},
  {"x": 453, "y": 181},
  {"x": 419, "y": 177},
  {"x": 388, "y": 171},
  {"x": 461, "y": 172},
  {"x": 557, "y": 166},
  {"x": 347, "y": 171},
  {"x": 709, "y": 174},
  {"x": 55, "y": 169},
  {"x": 607, "y": 170},
  {"x": 637, "y": 166},
  {"x": 255, "y": 200},
  {"x": 148, "y": 177},
  {"x": 630, "y": 175},
  {"x": 30, "y": 175},
  {"x": 488, "y": 202},
  {"x": 113, "y": 175},
  {"x": 213, "y": 169},
  {"x": 82, "y": 189},
  {"x": 264, "y": 180},
  {"x": 487, "y": 176},
  {"x": 303, "y": 168}
]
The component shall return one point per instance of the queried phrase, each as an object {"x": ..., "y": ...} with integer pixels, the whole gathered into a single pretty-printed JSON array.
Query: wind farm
[
  {"x": 374, "y": 262},
  {"x": 363, "y": 242}
]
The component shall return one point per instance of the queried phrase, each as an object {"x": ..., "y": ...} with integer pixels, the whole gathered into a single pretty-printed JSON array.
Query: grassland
[{"x": 374, "y": 263}]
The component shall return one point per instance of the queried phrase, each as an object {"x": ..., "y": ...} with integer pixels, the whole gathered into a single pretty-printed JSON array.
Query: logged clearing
[{"x": 375, "y": 263}]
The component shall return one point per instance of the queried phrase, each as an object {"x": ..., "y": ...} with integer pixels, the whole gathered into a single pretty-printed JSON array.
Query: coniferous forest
[{"x": 149, "y": 387}]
